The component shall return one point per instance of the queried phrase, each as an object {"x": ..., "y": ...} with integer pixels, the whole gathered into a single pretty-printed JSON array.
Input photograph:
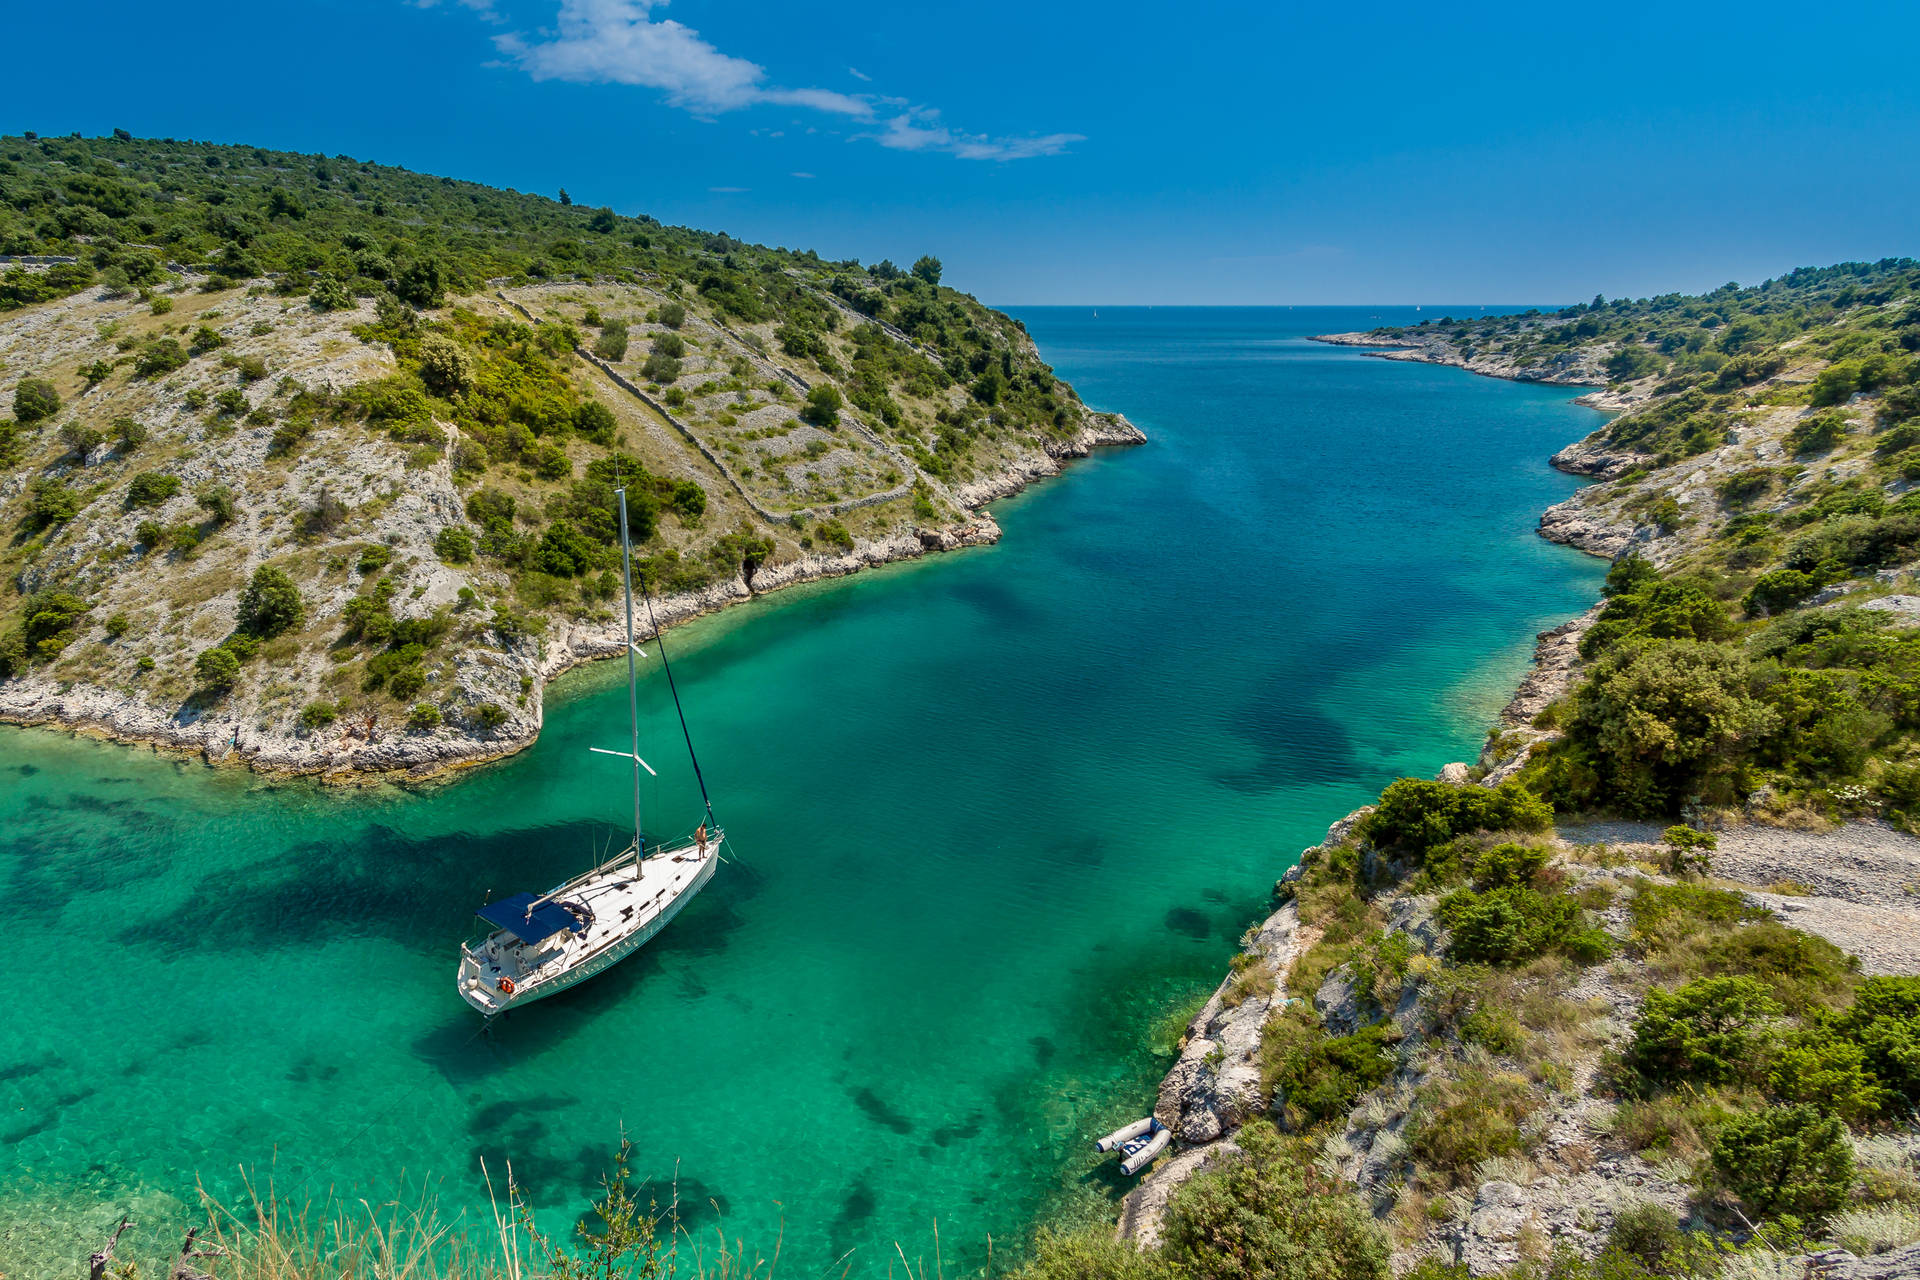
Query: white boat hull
[{"x": 626, "y": 914}]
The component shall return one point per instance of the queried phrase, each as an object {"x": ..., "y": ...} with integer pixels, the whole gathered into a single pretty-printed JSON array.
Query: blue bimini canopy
[{"x": 519, "y": 917}]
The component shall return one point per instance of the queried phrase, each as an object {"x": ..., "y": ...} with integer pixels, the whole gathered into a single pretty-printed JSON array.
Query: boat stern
[{"x": 476, "y": 988}]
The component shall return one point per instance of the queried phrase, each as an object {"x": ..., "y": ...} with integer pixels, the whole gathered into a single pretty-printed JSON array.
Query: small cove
[{"x": 994, "y": 812}]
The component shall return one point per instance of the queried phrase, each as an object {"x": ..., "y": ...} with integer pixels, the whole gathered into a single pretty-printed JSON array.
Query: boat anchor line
[{"x": 544, "y": 944}]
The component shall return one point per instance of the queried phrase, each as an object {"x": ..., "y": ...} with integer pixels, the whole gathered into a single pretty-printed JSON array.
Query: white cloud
[
  {"x": 624, "y": 42},
  {"x": 858, "y": 74},
  {"x": 727, "y": 191},
  {"x": 800, "y": 175},
  {"x": 919, "y": 129}
]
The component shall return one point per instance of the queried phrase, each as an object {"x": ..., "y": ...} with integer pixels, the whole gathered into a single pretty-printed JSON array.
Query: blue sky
[{"x": 1122, "y": 153}]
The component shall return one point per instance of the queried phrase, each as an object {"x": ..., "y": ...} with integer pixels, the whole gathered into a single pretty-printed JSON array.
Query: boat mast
[{"x": 633, "y": 693}]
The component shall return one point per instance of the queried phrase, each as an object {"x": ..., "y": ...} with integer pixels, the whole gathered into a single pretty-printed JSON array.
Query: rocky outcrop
[
  {"x": 1594, "y": 458},
  {"x": 1099, "y": 430},
  {"x": 1573, "y": 524},
  {"x": 1580, "y": 367}
]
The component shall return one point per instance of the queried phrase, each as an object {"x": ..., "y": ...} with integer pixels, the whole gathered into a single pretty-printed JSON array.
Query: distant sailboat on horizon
[{"x": 542, "y": 945}]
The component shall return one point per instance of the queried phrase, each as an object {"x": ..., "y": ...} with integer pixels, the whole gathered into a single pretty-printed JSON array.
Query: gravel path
[{"x": 1862, "y": 881}]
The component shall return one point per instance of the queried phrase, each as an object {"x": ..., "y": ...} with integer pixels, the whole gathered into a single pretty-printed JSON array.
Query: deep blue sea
[{"x": 995, "y": 813}]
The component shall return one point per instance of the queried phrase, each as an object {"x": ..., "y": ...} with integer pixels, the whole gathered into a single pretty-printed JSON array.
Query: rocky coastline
[{"x": 357, "y": 756}]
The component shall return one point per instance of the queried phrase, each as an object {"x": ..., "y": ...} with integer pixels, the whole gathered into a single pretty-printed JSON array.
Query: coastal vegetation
[
  {"x": 413, "y": 399},
  {"x": 1483, "y": 1016}
]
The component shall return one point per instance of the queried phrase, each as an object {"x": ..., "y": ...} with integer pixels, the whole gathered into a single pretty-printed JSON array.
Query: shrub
[
  {"x": 611, "y": 345},
  {"x": 1778, "y": 591},
  {"x": 318, "y": 715},
  {"x": 159, "y": 356},
  {"x": 129, "y": 434},
  {"x": 1817, "y": 433},
  {"x": 217, "y": 669},
  {"x": 1710, "y": 1031},
  {"x": 150, "y": 489},
  {"x": 489, "y": 716},
  {"x": 82, "y": 438},
  {"x": 835, "y": 534},
  {"x": 206, "y": 338},
  {"x": 50, "y": 620},
  {"x": 445, "y": 366},
  {"x": 374, "y": 557},
  {"x": 1270, "y": 1214},
  {"x": 1828, "y": 1072},
  {"x": 1803, "y": 970},
  {"x": 1315, "y": 1077},
  {"x": 670, "y": 344},
  {"x": 1654, "y": 724},
  {"x": 1091, "y": 1254},
  {"x": 35, "y": 399},
  {"x": 673, "y": 315},
  {"x": 49, "y": 502},
  {"x": 1415, "y": 815},
  {"x": 1515, "y": 924},
  {"x": 453, "y": 544},
  {"x": 660, "y": 368},
  {"x": 406, "y": 681},
  {"x": 1787, "y": 1160},
  {"x": 823, "y": 405},
  {"x": 1689, "y": 850},
  {"x": 160, "y": 306},
  {"x": 1885, "y": 1021},
  {"x": 1508, "y": 865},
  {"x": 329, "y": 294},
  {"x": 595, "y": 422},
  {"x": 423, "y": 717},
  {"x": 271, "y": 604},
  {"x": 1664, "y": 913},
  {"x": 118, "y": 625},
  {"x": 217, "y": 501}
]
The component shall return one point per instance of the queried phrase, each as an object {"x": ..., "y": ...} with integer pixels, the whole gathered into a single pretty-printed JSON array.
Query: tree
[
  {"x": 453, "y": 545},
  {"x": 611, "y": 345},
  {"x": 445, "y": 366},
  {"x": 927, "y": 269},
  {"x": 566, "y": 200},
  {"x": 823, "y": 405},
  {"x": 330, "y": 295},
  {"x": 150, "y": 489},
  {"x": 49, "y": 502},
  {"x": 1709, "y": 1031},
  {"x": 159, "y": 356},
  {"x": 673, "y": 315},
  {"x": 35, "y": 399},
  {"x": 271, "y": 604},
  {"x": 422, "y": 284},
  {"x": 424, "y": 717},
  {"x": 217, "y": 669},
  {"x": 1785, "y": 1160}
]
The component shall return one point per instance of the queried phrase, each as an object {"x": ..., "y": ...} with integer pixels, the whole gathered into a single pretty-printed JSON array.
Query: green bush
[
  {"x": 271, "y": 604},
  {"x": 611, "y": 345},
  {"x": 1827, "y": 1071},
  {"x": 150, "y": 489},
  {"x": 1664, "y": 913},
  {"x": 318, "y": 715},
  {"x": 1689, "y": 850},
  {"x": 823, "y": 405},
  {"x": 445, "y": 367},
  {"x": 35, "y": 399},
  {"x": 1653, "y": 725},
  {"x": 423, "y": 717},
  {"x": 453, "y": 544},
  {"x": 373, "y": 557},
  {"x": 1509, "y": 865},
  {"x": 673, "y": 315},
  {"x": 1885, "y": 1021},
  {"x": 1415, "y": 815},
  {"x": 328, "y": 294},
  {"x": 1817, "y": 433},
  {"x": 489, "y": 716},
  {"x": 1270, "y": 1214},
  {"x": 1710, "y": 1031},
  {"x": 1316, "y": 1078},
  {"x": 217, "y": 669},
  {"x": 1785, "y": 1160},
  {"x": 1515, "y": 924},
  {"x": 660, "y": 368},
  {"x": 50, "y": 621},
  {"x": 1779, "y": 591},
  {"x": 159, "y": 356},
  {"x": 50, "y": 502}
]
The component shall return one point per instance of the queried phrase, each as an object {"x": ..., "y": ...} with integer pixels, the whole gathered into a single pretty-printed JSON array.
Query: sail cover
[{"x": 519, "y": 917}]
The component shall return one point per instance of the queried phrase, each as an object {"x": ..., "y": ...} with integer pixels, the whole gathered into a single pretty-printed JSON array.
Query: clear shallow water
[{"x": 995, "y": 812}]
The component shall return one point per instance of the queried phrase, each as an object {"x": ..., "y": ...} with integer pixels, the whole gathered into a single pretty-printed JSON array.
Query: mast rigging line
[{"x": 661, "y": 643}]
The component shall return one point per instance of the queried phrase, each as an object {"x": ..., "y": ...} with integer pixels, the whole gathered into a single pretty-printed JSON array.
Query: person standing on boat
[{"x": 701, "y": 837}]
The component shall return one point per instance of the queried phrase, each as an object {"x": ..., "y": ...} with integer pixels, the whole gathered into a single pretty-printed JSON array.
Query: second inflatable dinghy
[{"x": 1137, "y": 1143}]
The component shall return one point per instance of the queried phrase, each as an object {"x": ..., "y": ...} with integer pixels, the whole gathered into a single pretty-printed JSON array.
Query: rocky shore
[{"x": 359, "y": 754}]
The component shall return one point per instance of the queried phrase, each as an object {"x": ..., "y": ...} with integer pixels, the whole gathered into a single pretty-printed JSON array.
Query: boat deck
[{"x": 621, "y": 910}]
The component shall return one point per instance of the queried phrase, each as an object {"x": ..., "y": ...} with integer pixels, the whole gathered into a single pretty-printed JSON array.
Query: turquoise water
[{"x": 993, "y": 813}]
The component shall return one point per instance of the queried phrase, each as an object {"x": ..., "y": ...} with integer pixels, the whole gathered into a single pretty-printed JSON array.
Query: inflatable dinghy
[{"x": 1137, "y": 1143}]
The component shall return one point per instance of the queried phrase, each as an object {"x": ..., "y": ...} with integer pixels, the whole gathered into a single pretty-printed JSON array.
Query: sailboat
[{"x": 541, "y": 945}]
